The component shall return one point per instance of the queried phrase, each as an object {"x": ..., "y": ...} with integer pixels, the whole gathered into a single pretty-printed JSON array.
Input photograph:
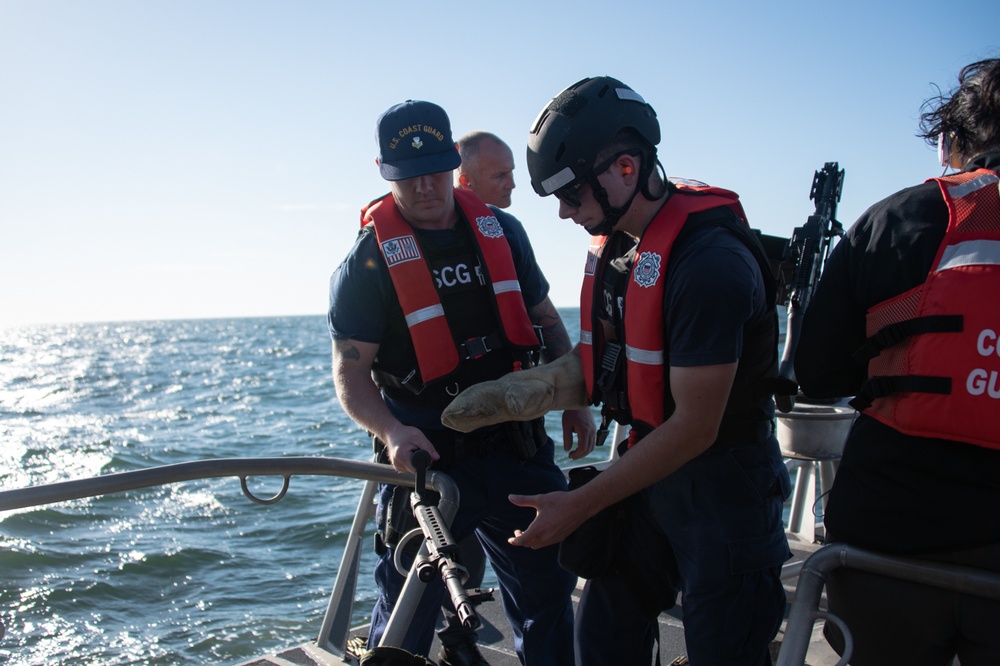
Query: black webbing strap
[
  {"x": 879, "y": 387},
  {"x": 475, "y": 347},
  {"x": 893, "y": 334}
]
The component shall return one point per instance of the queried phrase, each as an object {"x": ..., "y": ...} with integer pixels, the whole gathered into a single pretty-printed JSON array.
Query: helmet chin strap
[{"x": 611, "y": 214}]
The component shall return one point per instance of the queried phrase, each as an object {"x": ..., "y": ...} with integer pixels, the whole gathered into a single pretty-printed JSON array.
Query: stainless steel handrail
[
  {"x": 336, "y": 623},
  {"x": 62, "y": 491},
  {"x": 805, "y": 608}
]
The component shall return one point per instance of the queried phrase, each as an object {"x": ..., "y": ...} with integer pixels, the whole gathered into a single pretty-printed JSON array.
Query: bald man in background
[{"x": 487, "y": 168}]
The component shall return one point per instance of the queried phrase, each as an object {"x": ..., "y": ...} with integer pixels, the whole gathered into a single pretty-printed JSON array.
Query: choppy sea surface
[{"x": 192, "y": 572}]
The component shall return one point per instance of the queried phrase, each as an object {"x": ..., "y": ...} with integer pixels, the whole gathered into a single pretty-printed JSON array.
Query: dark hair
[{"x": 970, "y": 113}]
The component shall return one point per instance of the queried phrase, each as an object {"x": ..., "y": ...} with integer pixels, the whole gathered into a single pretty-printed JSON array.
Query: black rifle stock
[{"x": 808, "y": 251}]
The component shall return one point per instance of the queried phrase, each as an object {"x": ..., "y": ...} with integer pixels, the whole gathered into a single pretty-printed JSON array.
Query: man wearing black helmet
[
  {"x": 678, "y": 341},
  {"x": 440, "y": 292}
]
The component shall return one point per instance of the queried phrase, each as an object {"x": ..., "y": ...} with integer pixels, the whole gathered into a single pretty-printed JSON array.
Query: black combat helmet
[{"x": 577, "y": 124}]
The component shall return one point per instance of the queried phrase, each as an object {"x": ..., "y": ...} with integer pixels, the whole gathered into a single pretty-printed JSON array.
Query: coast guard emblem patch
[
  {"x": 489, "y": 226},
  {"x": 647, "y": 269},
  {"x": 399, "y": 250},
  {"x": 417, "y": 143}
]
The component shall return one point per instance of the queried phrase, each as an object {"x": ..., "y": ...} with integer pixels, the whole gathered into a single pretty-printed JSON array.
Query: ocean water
[
  {"x": 187, "y": 573},
  {"x": 193, "y": 572}
]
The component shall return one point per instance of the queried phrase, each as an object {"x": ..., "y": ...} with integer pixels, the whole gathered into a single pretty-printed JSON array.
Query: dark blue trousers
[
  {"x": 712, "y": 531},
  {"x": 535, "y": 590}
]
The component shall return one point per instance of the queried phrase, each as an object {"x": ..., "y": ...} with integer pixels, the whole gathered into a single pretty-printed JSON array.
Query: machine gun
[
  {"x": 443, "y": 555},
  {"x": 806, "y": 256}
]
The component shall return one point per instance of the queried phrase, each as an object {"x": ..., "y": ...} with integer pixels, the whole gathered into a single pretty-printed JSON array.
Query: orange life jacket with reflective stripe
[
  {"x": 645, "y": 364},
  {"x": 933, "y": 352},
  {"x": 433, "y": 342}
]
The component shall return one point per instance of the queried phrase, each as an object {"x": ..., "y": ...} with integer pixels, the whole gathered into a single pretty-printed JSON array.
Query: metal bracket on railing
[{"x": 259, "y": 500}]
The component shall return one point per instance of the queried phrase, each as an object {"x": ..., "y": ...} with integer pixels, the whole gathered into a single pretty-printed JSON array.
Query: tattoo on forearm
[
  {"x": 348, "y": 351},
  {"x": 557, "y": 342}
]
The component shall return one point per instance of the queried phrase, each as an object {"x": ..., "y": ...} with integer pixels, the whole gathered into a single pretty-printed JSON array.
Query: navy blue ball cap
[{"x": 414, "y": 139}]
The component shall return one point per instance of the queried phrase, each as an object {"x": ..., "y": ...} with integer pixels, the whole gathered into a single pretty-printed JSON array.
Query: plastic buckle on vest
[
  {"x": 874, "y": 388},
  {"x": 892, "y": 335},
  {"x": 475, "y": 348}
]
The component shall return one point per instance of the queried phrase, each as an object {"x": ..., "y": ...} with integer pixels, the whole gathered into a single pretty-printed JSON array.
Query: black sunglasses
[{"x": 570, "y": 194}]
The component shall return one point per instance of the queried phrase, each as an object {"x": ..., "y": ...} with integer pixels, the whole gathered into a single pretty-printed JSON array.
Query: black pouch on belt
[
  {"x": 593, "y": 549},
  {"x": 526, "y": 437},
  {"x": 398, "y": 516}
]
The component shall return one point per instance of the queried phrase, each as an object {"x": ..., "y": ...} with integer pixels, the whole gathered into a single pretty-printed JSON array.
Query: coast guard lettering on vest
[
  {"x": 450, "y": 276},
  {"x": 932, "y": 351},
  {"x": 398, "y": 250},
  {"x": 982, "y": 381}
]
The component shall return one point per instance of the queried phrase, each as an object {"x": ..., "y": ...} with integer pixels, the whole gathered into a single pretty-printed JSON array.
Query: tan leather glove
[{"x": 519, "y": 396}]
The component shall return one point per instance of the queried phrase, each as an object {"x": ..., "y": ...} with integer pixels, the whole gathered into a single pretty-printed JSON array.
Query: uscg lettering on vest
[
  {"x": 399, "y": 250},
  {"x": 982, "y": 381},
  {"x": 451, "y": 276}
]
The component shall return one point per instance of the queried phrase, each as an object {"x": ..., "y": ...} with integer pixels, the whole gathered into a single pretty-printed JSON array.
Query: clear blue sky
[{"x": 200, "y": 158}]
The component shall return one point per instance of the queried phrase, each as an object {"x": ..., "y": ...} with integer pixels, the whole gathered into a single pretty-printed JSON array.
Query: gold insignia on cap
[{"x": 417, "y": 143}]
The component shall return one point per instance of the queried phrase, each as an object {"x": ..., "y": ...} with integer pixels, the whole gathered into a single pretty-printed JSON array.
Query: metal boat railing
[
  {"x": 336, "y": 623},
  {"x": 805, "y": 608}
]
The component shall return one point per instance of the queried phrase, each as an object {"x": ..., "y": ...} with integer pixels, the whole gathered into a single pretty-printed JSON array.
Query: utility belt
[
  {"x": 403, "y": 382},
  {"x": 520, "y": 439}
]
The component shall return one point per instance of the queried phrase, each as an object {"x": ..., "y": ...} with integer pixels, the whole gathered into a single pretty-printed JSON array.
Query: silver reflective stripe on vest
[
  {"x": 970, "y": 253},
  {"x": 644, "y": 356},
  {"x": 959, "y": 191},
  {"x": 424, "y": 314},
  {"x": 505, "y": 286},
  {"x": 586, "y": 338}
]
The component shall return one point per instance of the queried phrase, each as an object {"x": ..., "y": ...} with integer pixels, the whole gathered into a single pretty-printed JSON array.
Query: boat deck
[{"x": 496, "y": 645}]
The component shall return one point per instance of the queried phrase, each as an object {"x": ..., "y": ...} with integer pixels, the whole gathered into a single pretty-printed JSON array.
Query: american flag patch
[
  {"x": 592, "y": 254},
  {"x": 398, "y": 250}
]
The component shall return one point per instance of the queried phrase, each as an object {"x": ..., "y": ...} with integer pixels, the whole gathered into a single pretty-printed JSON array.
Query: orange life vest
[
  {"x": 645, "y": 364},
  {"x": 433, "y": 342},
  {"x": 934, "y": 368}
]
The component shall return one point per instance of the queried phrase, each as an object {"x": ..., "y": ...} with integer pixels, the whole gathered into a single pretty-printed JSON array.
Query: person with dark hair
[
  {"x": 487, "y": 168},
  {"x": 906, "y": 318},
  {"x": 678, "y": 341},
  {"x": 440, "y": 292}
]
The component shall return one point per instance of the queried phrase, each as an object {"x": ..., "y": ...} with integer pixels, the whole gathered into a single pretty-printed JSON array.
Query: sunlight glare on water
[{"x": 192, "y": 572}]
